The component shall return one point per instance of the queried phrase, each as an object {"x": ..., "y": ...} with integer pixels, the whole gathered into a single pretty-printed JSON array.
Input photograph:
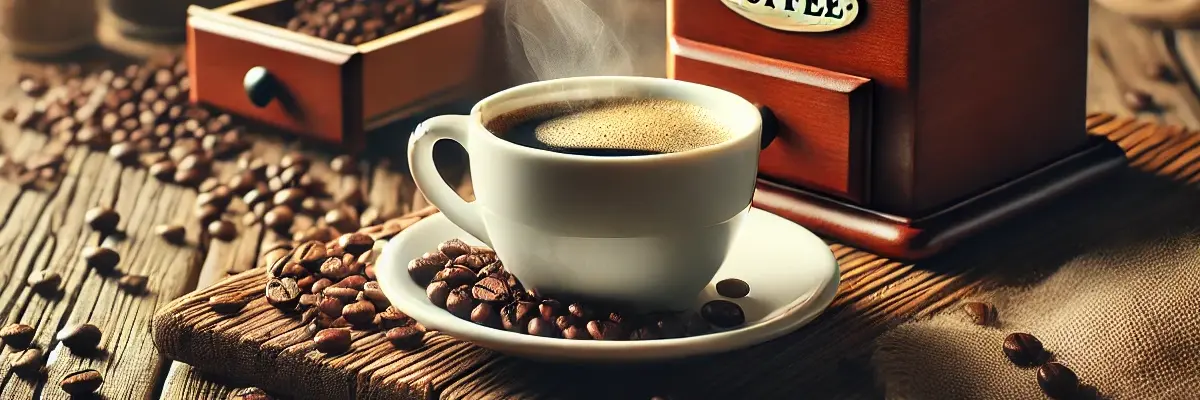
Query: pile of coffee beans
[
  {"x": 355, "y": 22},
  {"x": 471, "y": 283},
  {"x": 1025, "y": 350}
]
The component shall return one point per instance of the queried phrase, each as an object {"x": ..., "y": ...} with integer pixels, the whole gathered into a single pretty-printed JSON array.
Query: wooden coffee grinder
[{"x": 902, "y": 126}]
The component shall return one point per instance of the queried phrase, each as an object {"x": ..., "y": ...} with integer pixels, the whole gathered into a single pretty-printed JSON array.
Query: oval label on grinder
[{"x": 797, "y": 15}]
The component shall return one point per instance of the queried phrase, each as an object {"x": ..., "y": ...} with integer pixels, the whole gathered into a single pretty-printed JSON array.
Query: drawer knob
[
  {"x": 770, "y": 125},
  {"x": 261, "y": 86}
]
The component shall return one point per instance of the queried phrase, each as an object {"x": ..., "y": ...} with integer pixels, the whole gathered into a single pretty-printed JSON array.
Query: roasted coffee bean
[
  {"x": 207, "y": 213},
  {"x": 981, "y": 313},
  {"x": 564, "y": 321},
  {"x": 453, "y": 248},
  {"x": 515, "y": 316},
  {"x": 321, "y": 284},
  {"x": 44, "y": 282},
  {"x": 195, "y": 161},
  {"x": 257, "y": 195},
  {"x": 423, "y": 269},
  {"x": 391, "y": 317},
  {"x": 576, "y": 333},
  {"x": 242, "y": 183},
  {"x": 219, "y": 196},
  {"x": 723, "y": 313},
  {"x": 342, "y": 218},
  {"x": 485, "y": 314},
  {"x": 133, "y": 284},
  {"x": 1024, "y": 349},
  {"x": 33, "y": 87},
  {"x": 355, "y": 282},
  {"x": 17, "y": 336},
  {"x": 310, "y": 254},
  {"x": 438, "y": 293},
  {"x": 279, "y": 218},
  {"x": 222, "y": 230},
  {"x": 124, "y": 153},
  {"x": 407, "y": 337},
  {"x": 228, "y": 303},
  {"x": 356, "y": 243},
  {"x": 344, "y": 164},
  {"x": 306, "y": 283},
  {"x": 290, "y": 197},
  {"x": 26, "y": 362},
  {"x": 102, "y": 259},
  {"x": 373, "y": 292},
  {"x": 579, "y": 311},
  {"x": 334, "y": 268},
  {"x": 604, "y": 330},
  {"x": 189, "y": 177},
  {"x": 360, "y": 313},
  {"x": 333, "y": 340},
  {"x": 344, "y": 294},
  {"x": 543, "y": 328},
  {"x": 174, "y": 234},
  {"x": 249, "y": 393},
  {"x": 733, "y": 288},
  {"x": 353, "y": 198},
  {"x": 82, "y": 383},
  {"x": 283, "y": 293},
  {"x": 550, "y": 309},
  {"x": 330, "y": 306},
  {"x": 1057, "y": 381},
  {"x": 102, "y": 219},
  {"x": 460, "y": 303},
  {"x": 80, "y": 338},
  {"x": 456, "y": 276},
  {"x": 308, "y": 300},
  {"x": 163, "y": 170},
  {"x": 491, "y": 289},
  {"x": 293, "y": 270}
]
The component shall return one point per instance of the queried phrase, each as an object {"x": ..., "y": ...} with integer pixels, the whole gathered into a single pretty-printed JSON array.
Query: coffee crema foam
[{"x": 643, "y": 124}]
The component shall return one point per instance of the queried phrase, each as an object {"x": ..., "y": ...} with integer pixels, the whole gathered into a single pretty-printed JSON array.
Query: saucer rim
[{"x": 795, "y": 314}]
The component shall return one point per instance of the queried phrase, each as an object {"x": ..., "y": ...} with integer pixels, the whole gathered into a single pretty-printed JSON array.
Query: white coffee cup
[{"x": 646, "y": 231}]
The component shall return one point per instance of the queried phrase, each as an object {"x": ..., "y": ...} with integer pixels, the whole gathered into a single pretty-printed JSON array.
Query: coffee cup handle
[{"x": 430, "y": 182}]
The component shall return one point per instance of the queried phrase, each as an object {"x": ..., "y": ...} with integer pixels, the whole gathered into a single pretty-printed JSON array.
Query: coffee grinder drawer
[{"x": 823, "y": 117}]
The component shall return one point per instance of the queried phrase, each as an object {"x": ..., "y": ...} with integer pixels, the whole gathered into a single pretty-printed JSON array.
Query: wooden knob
[
  {"x": 260, "y": 85},
  {"x": 770, "y": 125}
]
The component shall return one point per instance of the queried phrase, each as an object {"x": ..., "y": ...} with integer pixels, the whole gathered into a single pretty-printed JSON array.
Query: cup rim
[{"x": 545, "y": 86}]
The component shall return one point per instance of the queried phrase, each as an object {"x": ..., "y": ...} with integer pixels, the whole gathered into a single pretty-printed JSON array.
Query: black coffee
[{"x": 612, "y": 128}]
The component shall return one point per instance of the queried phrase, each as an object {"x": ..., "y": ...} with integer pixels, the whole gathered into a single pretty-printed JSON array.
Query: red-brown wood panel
[
  {"x": 318, "y": 84},
  {"x": 824, "y": 116}
]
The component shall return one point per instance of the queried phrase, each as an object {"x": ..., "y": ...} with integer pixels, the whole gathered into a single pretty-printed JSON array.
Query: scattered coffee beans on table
[
  {"x": 471, "y": 283},
  {"x": 360, "y": 21},
  {"x": 1057, "y": 381}
]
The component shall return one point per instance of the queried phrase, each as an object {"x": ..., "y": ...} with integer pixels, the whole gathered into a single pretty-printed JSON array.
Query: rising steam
[{"x": 567, "y": 38}]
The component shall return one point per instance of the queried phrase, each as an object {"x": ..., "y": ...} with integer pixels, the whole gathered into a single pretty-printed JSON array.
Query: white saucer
[{"x": 792, "y": 275}]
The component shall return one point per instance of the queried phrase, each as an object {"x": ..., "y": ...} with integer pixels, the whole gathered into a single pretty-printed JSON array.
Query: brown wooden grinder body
[
  {"x": 242, "y": 62},
  {"x": 908, "y": 129}
]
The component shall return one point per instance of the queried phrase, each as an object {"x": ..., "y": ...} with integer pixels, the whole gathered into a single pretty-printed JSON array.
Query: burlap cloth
[{"x": 1127, "y": 320}]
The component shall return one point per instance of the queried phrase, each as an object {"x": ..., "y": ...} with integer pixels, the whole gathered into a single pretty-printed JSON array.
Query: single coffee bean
[
  {"x": 309, "y": 300},
  {"x": 310, "y": 254},
  {"x": 44, "y": 282},
  {"x": 249, "y": 393},
  {"x": 356, "y": 243},
  {"x": 407, "y": 337},
  {"x": 26, "y": 362},
  {"x": 283, "y": 293},
  {"x": 346, "y": 295},
  {"x": 342, "y": 218},
  {"x": 723, "y": 313},
  {"x": 228, "y": 303},
  {"x": 514, "y": 317},
  {"x": 219, "y": 196},
  {"x": 102, "y": 259},
  {"x": 438, "y": 293},
  {"x": 1057, "y": 381},
  {"x": 17, "y": 336},
  {"x": 355, "y": 282},
  {"x": 491, "y": 289},
  {"x": 81, "y": 383},
  {"x": 222, "y": 230},
  {"x": 604, "y": 330},
  {"x": 133, "y": 284},
  {"x": 576, "y": 333},
  {"x": 472, "y": 261},
  {"x": 334, "y": 268},
  {"x": 344, "y": 164},
  {"x": 460, "y": 303},
  {"x": 360, "y": 313},
  {"x": 174, "y": 234},
  {"x": 279, "y": 218},
  {"x": 564, "y": 321},
  {"x": 293, "y": 159},
  {"x": 80, "y": 338},
  {"x": 163, "y": 170},
  {"x": 486, "y": 314},
  {"x": 189, "y": 177},
  {"x": 1024, "y": 349},
  {"x": 332, "y": 340},
  {"x": 373, "y": 292},
  {"x": 391, "y": 317},
  {"x": 543, "y": 328},
  {"x": 257, "y": 195},
  {"x": 423, "y": 269},
  {"x": 320, "y": 285},
  {"x": 453, "y": 248},
  {"x": 456, "y": 276},
  {"x": 331, "y": 306},
  {"x": 290, "y": 197},
  {"x": 550, "y": 309},
  {"x": 981, "y": 313},
  {"x": 579, "y": 311},
  {"x": 733, "y": 288},
  {"x": 102, "y": 219},
  {"x": 124, "y": 153}
]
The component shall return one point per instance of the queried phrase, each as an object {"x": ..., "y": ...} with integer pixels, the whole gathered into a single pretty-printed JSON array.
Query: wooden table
[{"x": 827, "y": 359}]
